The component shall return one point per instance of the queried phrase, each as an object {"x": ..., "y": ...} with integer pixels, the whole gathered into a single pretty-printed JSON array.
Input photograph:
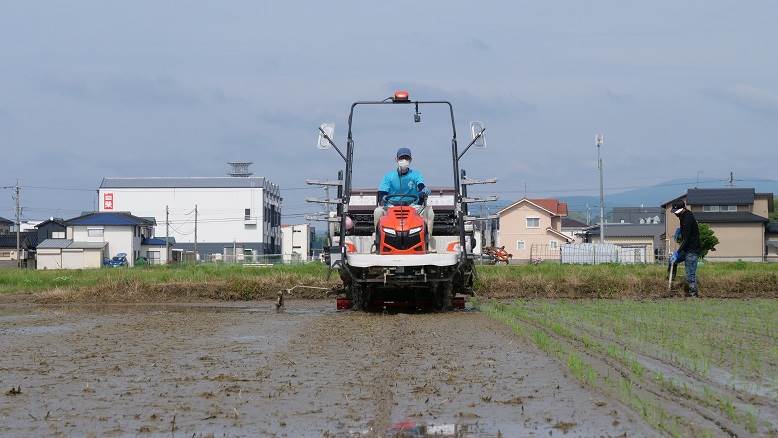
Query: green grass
[
  {"x": 544, "y": 280},
  {"x": 19, "y": 280},
  {"x": 550, "y": 280},
  {"x": 738, "y": 338},
  {"x": 559, "y": 271},
  {"x": 622, "y": 388},
  {"x": 736, "y": 335}
]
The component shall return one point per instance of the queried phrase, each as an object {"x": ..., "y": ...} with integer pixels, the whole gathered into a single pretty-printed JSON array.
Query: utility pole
[
  {"x": 488, "y": 228},
  {"x": 195, "y": 242},
  {"x": 588, "y": 214},
  {"x": 167, "y": 235},
  {"x": 732, "y": 179},
  {"x": 599, "y": 140},
  {"x": 18, "y": 226}
]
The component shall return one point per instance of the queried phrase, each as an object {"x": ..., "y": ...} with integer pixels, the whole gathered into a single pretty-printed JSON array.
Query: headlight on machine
[
  {"x": 390, "y": 231},
  {"x": 414, "y": 230}
]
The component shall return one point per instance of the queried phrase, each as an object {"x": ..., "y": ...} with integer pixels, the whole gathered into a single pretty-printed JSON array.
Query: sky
[{"x": 90, "y": 89}]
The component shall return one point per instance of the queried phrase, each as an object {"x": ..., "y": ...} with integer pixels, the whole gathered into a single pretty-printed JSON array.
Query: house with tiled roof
[
  {"x": 533, "y": 226},
  {"x": 739, "y": 217},
  {"x": 574, "y": 229},
  {"x": 92, "y": 237},
  {"x": 27, "y": 243}
]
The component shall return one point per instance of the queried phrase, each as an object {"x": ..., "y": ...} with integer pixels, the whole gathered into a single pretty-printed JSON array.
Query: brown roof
[
  {"x": 568, "y": 222},
  {"x": 552, "y": 205}
]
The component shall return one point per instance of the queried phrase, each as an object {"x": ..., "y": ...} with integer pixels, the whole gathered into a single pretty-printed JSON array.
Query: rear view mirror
[
  {"x": 476, "y": 130},
  {"x": 329, "y": 129}
]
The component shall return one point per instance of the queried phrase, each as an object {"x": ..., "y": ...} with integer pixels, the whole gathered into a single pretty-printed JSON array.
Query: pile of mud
[
  {"x": 575, "y": 285},
  {"x": 237, "y": 289}
]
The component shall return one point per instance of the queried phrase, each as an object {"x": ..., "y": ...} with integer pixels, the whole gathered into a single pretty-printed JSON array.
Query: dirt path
[{"x": 247, "y": 371}]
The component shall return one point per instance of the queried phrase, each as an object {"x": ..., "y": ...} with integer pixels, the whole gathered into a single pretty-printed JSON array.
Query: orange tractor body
[{"x": 401, "y": 231}]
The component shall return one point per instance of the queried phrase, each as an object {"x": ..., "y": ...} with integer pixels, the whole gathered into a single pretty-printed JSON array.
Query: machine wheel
[
  {"x": 360, "y": 297},
  {"x": 443, "y": 296}
]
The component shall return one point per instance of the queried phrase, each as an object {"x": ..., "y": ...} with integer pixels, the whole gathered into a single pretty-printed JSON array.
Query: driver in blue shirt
[{"x": 406, "y": 181}]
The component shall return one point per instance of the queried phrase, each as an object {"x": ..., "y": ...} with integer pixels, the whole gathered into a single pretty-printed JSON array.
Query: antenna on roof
[{"x": 240, "y": 169}]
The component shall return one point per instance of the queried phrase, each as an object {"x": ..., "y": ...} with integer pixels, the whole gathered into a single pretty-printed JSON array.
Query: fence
[
  {"x": 590, "y": 253},
  {"x": 542, "y": 253},
  {"x": 264, "y": 259}
]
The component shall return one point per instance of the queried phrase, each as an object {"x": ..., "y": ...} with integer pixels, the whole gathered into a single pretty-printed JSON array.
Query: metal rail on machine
[{"x": 344, "y": 181}]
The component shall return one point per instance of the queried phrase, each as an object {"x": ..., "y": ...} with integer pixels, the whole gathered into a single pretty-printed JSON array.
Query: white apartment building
[
  {"x": 296, "y": 242},
  {"x": 237, "y": 211}
]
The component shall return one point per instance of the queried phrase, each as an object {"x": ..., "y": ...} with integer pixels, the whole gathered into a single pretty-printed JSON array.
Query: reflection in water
[{"x": 412, "y": 429}]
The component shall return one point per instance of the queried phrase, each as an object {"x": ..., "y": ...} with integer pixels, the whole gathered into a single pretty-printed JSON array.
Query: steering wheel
[{"x": 411, "y": 198}]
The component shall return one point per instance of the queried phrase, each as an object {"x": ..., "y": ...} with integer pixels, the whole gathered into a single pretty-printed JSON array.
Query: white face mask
[{"x": 403, "y": 164}]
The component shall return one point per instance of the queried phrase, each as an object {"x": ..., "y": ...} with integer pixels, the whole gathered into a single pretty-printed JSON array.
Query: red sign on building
[{"x": 107, "y": 201}]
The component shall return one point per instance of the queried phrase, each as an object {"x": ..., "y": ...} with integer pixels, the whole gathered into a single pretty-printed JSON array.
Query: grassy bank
[
  {"x": 525, "y": 281},
  {"x": 678, "y": 363},
  {"x": 552, "y": 280},
  {"x": 228, "y": 282}
]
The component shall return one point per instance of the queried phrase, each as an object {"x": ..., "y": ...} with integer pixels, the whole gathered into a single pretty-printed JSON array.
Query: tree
[
  {"x": 774, "y": 214},
  {"x": 708, "y": 240}
]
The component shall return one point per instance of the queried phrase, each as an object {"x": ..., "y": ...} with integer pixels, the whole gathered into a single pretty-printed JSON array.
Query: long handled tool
[{"x": 670, "y": 276}]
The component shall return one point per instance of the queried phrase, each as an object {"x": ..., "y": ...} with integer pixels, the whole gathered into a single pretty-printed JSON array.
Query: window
[
  {"x": 710, "y": 208},
  {"x": 153, "y": 257},
  {"x": 533, "y": 222},
  {"x": 729, "y": 208},
  {"x": 520, "y": 244},
  {"x": 5, "y": 254},
  {"x": 57, "y": 234},
  {"x": 553, "y": 244},
  {"x": 247, "y": 214},
  {"x": 94, "y": 232}
]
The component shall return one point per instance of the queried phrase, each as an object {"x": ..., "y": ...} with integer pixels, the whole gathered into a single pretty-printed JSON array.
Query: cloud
[
  {"x": 288, "y": 119},
  {"x": 747, "y": 98},
  {"x": 479, "y": 45},
  {"x": 131, "y": 90},
  {"x": 617, "y": 96}
]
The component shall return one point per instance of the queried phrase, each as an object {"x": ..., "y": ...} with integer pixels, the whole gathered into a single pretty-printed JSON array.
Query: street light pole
[
  {"x": 599, "y": 140},
  {"x": 18, "y": 226}
]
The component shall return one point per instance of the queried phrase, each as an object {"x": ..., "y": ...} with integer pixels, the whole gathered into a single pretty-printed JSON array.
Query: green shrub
[{"x": 708, "y": 240}]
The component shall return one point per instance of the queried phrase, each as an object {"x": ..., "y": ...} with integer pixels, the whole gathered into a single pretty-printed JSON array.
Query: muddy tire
[
  {"x": 360, "y": 298},
  {"x": 444, "y": 297}
]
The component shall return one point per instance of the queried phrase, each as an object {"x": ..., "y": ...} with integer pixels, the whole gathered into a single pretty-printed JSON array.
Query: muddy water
[{"x": 245, "y": 370}]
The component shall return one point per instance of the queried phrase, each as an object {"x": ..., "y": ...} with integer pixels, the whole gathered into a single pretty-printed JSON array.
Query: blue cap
[{"x": 403, "y": 152}]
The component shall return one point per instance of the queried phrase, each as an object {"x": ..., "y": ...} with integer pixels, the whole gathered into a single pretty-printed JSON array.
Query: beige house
[
  {"x": 532, "y": 228},
  {"x": 737, "y": 216},
  {"x": 771, "y": 236}
]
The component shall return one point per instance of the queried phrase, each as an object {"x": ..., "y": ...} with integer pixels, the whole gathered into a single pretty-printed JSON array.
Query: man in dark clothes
[{"x": 689, "y": 250}]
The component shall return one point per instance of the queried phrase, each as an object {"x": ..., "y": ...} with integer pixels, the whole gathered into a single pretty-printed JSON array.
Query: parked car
[{"x": 118, "y": 261}]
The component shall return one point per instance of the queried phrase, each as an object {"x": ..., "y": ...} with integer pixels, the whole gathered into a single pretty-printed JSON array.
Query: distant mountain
[
  {"x": 658, "y": 194},
  {"x": 652, "y": 196}
]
